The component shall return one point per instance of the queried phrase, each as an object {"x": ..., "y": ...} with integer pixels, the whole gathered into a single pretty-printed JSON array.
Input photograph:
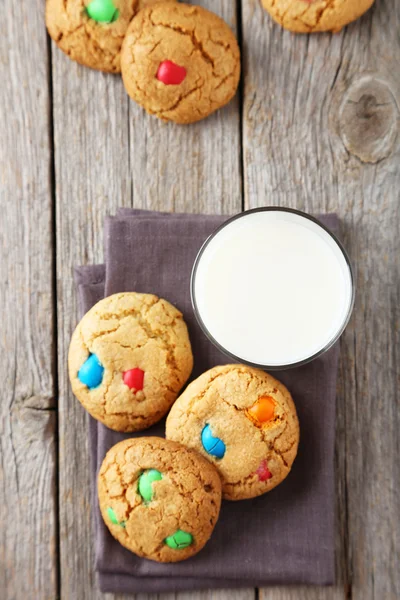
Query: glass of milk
[{"x": 273, "y": 288}]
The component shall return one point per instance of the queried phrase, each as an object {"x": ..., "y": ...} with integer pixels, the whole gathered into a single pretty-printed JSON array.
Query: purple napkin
[{"x": 285, "y": 537}]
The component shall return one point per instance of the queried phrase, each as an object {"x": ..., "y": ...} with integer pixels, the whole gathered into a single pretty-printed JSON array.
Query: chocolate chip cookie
[
  {"x": 159, "y": 499},
  {"x": 180, "y": 62},
  {"x": 129, "y": 357},
  {"x": 244, "y": 421}
]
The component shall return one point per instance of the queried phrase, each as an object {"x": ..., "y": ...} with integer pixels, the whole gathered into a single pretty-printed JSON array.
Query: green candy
[
  {"x": 102, "y": 11},
  {"x": 113, "y": 518},
  {"x": 179, "y": 540},
  {"x": 145, "y": 486}
]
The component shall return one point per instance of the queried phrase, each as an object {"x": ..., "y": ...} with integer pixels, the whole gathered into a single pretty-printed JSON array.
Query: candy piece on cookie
[
  {"x": 134, "y": 379},
  {"x": 263, "y": 472},
  {"x": 102, "y": 11},
  {"x": 180, "y": 62},
  {"x": 262, "y": 411},
  {"x": 91, "y": 372},
  {"x": 113, "y": 517},
  {"x": 170, "y": 73},
  {"x": 146, "y": 481},
  {"x": 212, "y": 445},
  {"x": 242, "y": 420},
  {"x": 128, "y": 359},
  {"x": 159, "y": 499},
  {"x": 180, "y": 540},
  {"x": 309, "y": 16}
]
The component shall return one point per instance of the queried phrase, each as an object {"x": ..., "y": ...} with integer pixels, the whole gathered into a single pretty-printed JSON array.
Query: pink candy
[{"x": 263, "y": 472}]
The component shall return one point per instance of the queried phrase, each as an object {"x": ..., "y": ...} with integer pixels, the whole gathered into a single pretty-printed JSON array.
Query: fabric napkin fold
[{"x": 284, "y": 537}]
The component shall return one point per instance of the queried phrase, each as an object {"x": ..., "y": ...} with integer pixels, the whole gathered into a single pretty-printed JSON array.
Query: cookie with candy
[
  {"x": 311, "y": 16},
  {"x": 180, "y": 62},
  {"x": 159, "y": 499},
  {"x": 91, "y": 32},
  {"x": 128, "y": 359},
  {"x": 244, "y": 421}
]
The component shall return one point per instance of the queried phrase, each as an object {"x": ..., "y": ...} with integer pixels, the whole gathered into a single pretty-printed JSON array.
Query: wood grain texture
[
  {"x": 194, "y": 168},
  {"x": 109, "y": 153},
  {"x": 28, "y": 539},
  {"x": 92, "y": 179},
  {"x": 207, "y": 595},
  {"x": 320, "y": 133}
]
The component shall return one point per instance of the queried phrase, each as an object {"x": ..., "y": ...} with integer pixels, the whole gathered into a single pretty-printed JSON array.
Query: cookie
[
  {"x": 244, "y": 421},
  {"x": 159, "y": 499},
  {"x": 308, "y": 16},
  {"x": 180, "y": 62},
  {"x": 91, "y": 32},
  {"x": 129, "y": 357}
]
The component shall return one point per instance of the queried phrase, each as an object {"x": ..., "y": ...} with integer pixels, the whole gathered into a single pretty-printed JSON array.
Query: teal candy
[
  {"x": 91, "y": 372},
  {"x": 179, "y": 540},
  {"x": 212, "y": 445},
  {"x": 146, "y": 480},
  {"x": 102, "y": 11}
]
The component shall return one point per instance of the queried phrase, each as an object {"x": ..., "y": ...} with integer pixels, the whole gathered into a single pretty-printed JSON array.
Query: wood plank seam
[{"x": 55, "y": 305}]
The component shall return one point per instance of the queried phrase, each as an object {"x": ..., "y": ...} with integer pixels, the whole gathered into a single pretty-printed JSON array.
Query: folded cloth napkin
[{"x": 283, "y": 537}]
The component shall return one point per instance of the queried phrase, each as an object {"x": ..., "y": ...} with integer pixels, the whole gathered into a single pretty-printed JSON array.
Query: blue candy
[
  {"x": 212, "y": 445},
  {"x": 91, "y": 372}
]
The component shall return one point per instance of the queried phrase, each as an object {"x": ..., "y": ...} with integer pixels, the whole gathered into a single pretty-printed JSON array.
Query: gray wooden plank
[
  {"x": 91, "y": 173},
  {"x": 28, "y": 504},
  {"x": 192, "y": 168},
  {"x": 207, "y": 595},
  {"x": 109, "y": 153},
  {"x": 302, "y": 593},
  {"x": 245, "y": 594},
  {"x": 320, "y": 129}
]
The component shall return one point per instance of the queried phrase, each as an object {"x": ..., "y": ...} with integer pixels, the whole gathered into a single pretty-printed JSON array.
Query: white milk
[{"x": 273, "y": 288}]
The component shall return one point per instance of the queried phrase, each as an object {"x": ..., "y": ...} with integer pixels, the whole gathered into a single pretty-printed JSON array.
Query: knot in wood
[{"x": 368, "y": 119}]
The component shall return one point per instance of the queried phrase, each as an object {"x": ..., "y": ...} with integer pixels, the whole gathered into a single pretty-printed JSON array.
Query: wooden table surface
[{"x": 315, "y": 126}]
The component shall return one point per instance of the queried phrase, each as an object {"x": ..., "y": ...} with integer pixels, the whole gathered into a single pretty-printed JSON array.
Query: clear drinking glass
[{"x": 209, "y": 248}]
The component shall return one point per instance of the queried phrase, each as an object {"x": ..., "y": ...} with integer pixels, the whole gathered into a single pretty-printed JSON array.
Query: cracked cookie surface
[
  {"x": 244, "y": 421},
  {"x": 309, "y": 16},
  {"x": 177, "y": 521},
  {"x": 194, "y": 40},
  {"x": 90, "y": 43},
  {"x": 128, "y": 359}
]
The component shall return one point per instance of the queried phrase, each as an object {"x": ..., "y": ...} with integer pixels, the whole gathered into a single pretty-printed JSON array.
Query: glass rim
[{"x": 207, "y": 333}]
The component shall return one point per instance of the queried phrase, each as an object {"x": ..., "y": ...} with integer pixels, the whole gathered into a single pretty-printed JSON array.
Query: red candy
[
  {"x": 263, "y": 472},
  {"x": 134, "y": 379},
  {"x": 170, "y": 73}
]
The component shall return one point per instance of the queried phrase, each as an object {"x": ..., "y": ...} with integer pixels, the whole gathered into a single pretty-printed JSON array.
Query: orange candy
[{"x": 263, "y": 410}]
